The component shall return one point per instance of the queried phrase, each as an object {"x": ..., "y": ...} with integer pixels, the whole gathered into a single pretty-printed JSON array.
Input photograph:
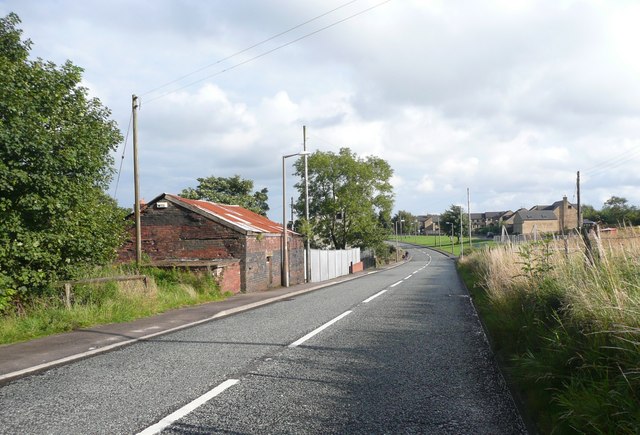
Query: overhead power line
[
  {"x": 124, "y": 150},
  {"x": 248, "y": 48},
  {"x": 269, "y": 51},
  {"x": 611, "y": 163}
]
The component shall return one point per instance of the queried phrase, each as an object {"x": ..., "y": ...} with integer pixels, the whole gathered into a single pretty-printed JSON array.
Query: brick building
[{"x": 240, "y": 247}]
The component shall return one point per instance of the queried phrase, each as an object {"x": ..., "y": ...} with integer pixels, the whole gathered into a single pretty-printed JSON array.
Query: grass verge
[
  {"x": 566, "y": 330},
  {"x": 111, "y": 302}
]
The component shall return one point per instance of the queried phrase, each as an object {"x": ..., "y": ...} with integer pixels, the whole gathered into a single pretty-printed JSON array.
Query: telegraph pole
[
  {"x": 579, "y": 205},
  {"x": 469, "y": 215},
  {"x": 136, "y": 205},
  {"x": 461, "y": 235}
]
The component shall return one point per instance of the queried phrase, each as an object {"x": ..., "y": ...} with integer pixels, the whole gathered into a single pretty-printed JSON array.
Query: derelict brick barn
[{"x": 242, "y": 248}]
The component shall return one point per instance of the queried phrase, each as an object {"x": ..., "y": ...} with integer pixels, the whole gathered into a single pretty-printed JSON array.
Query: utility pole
[
  {"x": 469, "y": 215},
  {"x": 461, "y": 236},
  {"x": 306, "y": 200},
  {"x": 579, "y": 205},
  {"x": 136, "y": 206}
]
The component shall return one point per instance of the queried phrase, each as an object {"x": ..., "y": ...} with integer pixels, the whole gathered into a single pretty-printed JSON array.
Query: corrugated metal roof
[{"x": 235, "y": 215}]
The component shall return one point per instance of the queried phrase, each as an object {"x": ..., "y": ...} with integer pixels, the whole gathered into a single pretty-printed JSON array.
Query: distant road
[{"x": 397, "y": 351}]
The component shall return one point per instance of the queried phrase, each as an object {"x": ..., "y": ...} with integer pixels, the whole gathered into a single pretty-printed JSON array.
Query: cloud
[{"x": 507, "y": 98}]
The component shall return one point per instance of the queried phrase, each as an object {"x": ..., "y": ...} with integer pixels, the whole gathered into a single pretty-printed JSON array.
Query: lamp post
[
  {"x": 451, "y": 223},
  {"x": 285, "y": 249},
  {"x": 395, "y": 225},
  {"x": 306, "y": 201}
]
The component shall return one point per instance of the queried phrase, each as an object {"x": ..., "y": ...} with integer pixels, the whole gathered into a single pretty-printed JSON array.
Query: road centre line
[
  {"x": 408, "y": 276},
  {"x": 366, "y": 301},
  {"x": 188, "y": 408},
  {"x": 318, "y": 330},
  {"x": 393, "y": 285}
]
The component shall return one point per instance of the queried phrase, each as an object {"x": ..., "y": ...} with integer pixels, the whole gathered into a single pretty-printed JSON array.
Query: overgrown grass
[
  {"x": 112, "y": 302},
  {"x": 567, "y": 330}
]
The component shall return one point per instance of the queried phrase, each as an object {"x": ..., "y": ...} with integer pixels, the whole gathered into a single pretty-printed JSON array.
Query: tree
[
  {"x": 233, "y": 191},
  {"x": 590, "y": 213},
  {"x": 450, "y": 221},
  {"x": 350, "y": 199},
  {"x": 616, "y": 211},
  {"x": 405, "y": 221},
  {"x": 55, "y": 163}
]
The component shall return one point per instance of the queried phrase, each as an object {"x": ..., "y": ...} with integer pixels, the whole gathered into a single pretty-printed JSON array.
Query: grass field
[{"x": 444, "y": 243}]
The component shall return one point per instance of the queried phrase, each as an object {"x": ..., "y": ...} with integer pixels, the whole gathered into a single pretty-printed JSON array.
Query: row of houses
[{"x": 559, "y": 217}]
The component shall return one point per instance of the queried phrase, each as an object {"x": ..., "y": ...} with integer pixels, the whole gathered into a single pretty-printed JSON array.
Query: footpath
[{"x": 26, "y": 358}]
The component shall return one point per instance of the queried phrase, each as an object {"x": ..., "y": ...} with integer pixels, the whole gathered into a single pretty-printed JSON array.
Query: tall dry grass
[{"x": 567, "y": 320}]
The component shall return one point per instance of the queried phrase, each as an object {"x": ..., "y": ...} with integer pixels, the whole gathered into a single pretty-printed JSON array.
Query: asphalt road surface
[{"x": 399, "y": 351}]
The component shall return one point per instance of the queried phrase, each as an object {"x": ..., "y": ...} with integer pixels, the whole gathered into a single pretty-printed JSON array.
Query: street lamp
[
  {"x": 395, "y": 225},
  {"x": 451, "y": 223},
  {"x": 285, "y": 249}
]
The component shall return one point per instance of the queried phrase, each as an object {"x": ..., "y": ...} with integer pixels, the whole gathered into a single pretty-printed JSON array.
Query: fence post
[{"x": 67, "y": 295}]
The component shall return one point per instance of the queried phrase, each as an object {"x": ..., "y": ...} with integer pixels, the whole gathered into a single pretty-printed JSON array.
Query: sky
[{"x": 506, "y": 98}]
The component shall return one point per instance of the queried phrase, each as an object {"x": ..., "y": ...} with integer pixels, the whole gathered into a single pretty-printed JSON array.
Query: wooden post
[
  {"x": 67, "y": 295},
  {"x": 136, "y": 184}
]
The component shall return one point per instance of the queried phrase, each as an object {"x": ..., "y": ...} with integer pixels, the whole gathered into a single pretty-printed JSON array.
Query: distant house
[
  {"x": 566, "y": 214},
  {"x": 241, "y": 248},
  {"x": 429, "y": 224},
  {"x": 480, "y": 221},
  {"x": 530, "y": 221},
  {"x": 477, "y": 221}
]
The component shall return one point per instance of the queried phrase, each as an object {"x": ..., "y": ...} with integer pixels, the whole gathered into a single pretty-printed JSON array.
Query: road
[{"x": 396, "y": 351}]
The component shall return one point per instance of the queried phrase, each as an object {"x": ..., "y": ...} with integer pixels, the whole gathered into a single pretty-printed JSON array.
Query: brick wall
[
  {"x": 229, "y": 279},
  {"x": 176, "y": 233},
  {"x": 296, "y": 259},
  {"x": 263, "y": 262}
]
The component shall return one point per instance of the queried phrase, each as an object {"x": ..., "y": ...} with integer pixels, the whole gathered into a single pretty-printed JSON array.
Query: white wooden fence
[{"x": 332, "y": 264}]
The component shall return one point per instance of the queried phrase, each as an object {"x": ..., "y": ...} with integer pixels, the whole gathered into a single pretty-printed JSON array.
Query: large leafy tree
[
  {"x": 617, "y": 211},
  {"x": 55, "y": 162},
  {"x": 350, "y": 199},
  {"x": 232, "y": 190},
  {"x": 450, "y": 221}
]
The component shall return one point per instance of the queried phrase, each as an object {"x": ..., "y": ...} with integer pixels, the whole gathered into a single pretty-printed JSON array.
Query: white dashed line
[
  {"x": 316, "y": 331},
  {"x": 393, "y": 285},
  {"x": 366, "y": 301},
  {"x": 188, "y": 408},
  {"x": 408, "y": 276}
]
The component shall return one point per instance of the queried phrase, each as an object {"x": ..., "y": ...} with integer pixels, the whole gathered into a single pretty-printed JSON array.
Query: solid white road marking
[
  {"x": 393, "y": 285},
  {"x": 366, "y": 301},
  {"x": 320, "y": 329},
  {"x": 188, "y": 408}
]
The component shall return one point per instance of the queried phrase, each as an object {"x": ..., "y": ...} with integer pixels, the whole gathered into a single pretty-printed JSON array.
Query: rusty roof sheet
[{"x": 234, "y": 214}]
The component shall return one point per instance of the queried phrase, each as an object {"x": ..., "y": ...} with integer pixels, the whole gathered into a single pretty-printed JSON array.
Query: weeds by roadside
[
  {"x": 567, "y": 330},
  {"x": 110, "y": 302}
]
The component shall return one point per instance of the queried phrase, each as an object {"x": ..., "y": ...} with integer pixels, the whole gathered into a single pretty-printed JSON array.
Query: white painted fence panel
[{"x": 326, "y": 265}]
